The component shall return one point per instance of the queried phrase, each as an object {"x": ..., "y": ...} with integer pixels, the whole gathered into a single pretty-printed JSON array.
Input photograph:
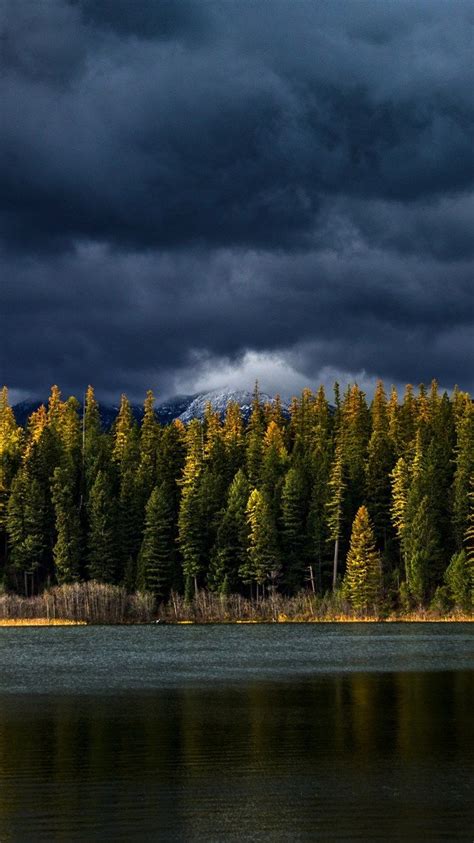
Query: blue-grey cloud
[{"x": 191, "y": 181}]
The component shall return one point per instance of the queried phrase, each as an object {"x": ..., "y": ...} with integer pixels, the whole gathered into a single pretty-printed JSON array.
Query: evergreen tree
[
  {"x": 321, "y": 419},
  {"x": 421, "y": 549},
  {"x": 170, "y": 466},
  {"x": 421, "y": 540},
  {"x": 26, "y": 518},
  {"x": 464, "y": 467},
  {"x": 411, "y": 464},
  {"x": 355, "y": 429},
  {"x": 92, "y": 444},
  {"x": 255, "y": 431},
  {"x": 400, "y": 478},
  {"x": 70, "y": 434},
  {"x": 56, "y": 409},
  {"x": 171, "y": 454},
  {"x": 102, "y": 549},
  {"x": 37, "y": 424},
  {"x": 274, "y": 464},
  {"x": 190, "y": 520},
  {"x": 125, "y": 437},
  {"x": 406, "y": 426},
  {"x": 294, "y": 538},
  {"x": 273, "y": 411},
  {"x": 458, "y": 578},
  {"x": 393, "y": 411},
  {"x": 263, "y": 557},
  {"x": 230, "y": 553},
  {"x": 302, "y": 423},
  {"x": 130, "y": 511},
  {"x": 439, "y": 473},
  {"x": 214, "y": 479},
  {"x": 67, "y": 549},
  {"x": 335, "y": 507},
  {"x": 363, "y": 578},
  {"x": 469, "y": 538},
  {"x": 43, "y": 453},
  {"x": 10, "y": 453},
  {"x": 379, "y": 464},
  {"x": 337, "y": 408},
  {"x": 157, "y": 550},
  {"x": 318, "y": 469},
  {"x": 424, "y": 409},
  {"x": 234, "y": 439},
  {"x": 148, "y": 449},
  {"x": 10, "y": 439}
]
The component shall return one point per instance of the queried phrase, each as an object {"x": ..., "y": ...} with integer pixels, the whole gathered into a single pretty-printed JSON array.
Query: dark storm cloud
[
  {"x": 185, "y": 182},
  {"x": 131, "y": 321},
  {"x": 146, "y": 19}
]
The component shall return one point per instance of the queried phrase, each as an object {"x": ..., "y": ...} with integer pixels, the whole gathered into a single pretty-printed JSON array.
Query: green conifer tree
[
  {"x": 302, "y": 423},
  {"x": 93, "y": 443},
  {"x": 335, "y": 507},
  {"x": 149, "y": 436},
  {"x": 255, "y": 431},
  {"x": 67, "y": 550},
  {"x": 156, "y": 555},
  {"x": 294, "y": 537},
  {"x": 126, "y": 438},
  {"x": 400, "y": 480},
  {"x": 130, "y": 522},
  {"x": 230, "y": 552},
  {"x": 362, "y": 583},
  {"x": 102, "y": 544},
  {"x": 422, "y": 547},
  {"x": 318, "y": 468},
  {"x": 469, "y": 538},
  {"x": 234, "y": 439},
  {"x": 26, "y": 526},
  {"x": 190, "y": 520},
  {"x": 380, "y": 458},
  {"x": 406, "y": 426},
  {"x": 459, "y": 581},
  {"x": 274, "y": 465},
  {"x": 464, "y": 467},
  {"x": 263, "y": 554},
  {"x": 355, "y": 430},
  {"x": 11, "y": 439}
]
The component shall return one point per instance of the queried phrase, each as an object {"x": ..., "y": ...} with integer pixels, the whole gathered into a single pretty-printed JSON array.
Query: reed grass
[{"x": 98, "y": 603}]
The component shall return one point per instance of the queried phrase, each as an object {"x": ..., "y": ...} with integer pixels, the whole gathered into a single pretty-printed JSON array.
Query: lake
[{"x": 266, "y": 733}]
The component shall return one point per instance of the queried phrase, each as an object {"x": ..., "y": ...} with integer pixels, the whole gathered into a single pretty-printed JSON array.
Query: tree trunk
[{"x": 336, "y": 560}]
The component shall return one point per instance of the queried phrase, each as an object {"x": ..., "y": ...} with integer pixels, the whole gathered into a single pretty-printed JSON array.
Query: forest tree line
[{"x": 374, "y": 501}]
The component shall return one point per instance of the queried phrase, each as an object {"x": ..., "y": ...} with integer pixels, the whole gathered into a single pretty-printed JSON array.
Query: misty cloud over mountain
[{"x": 195, "y": 194}]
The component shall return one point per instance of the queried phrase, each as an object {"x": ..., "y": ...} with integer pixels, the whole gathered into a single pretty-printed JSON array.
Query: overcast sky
[{"x": 196, "y": 194}]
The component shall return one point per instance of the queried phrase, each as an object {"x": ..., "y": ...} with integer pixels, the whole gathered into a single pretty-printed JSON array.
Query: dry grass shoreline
[
  {"x": 99, "y": 603},
  {"x": 414, "y": 618}
]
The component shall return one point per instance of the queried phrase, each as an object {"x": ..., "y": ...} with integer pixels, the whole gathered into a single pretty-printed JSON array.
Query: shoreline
[{"x": 41, "y": 622}]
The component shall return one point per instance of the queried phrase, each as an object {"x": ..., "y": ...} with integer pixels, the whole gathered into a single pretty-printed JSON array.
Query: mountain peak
[{"x": 183, "y": 407}]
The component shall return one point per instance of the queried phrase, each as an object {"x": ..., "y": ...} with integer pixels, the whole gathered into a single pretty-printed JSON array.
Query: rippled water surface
[{"x": 268, "y": 733}]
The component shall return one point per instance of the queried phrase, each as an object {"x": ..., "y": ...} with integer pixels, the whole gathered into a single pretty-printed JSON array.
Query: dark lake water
[{"x": 265, "y": 733}]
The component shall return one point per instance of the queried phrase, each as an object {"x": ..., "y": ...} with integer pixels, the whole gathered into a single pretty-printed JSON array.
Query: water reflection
[{"x": 386, "y": 756}]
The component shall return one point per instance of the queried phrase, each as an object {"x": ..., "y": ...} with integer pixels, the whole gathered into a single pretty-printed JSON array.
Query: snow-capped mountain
[
  {"x": 183, "y": 407},
  {"x": 219, "y": 399}
]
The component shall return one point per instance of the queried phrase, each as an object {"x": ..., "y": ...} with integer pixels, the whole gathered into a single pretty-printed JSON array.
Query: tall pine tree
[{"x": 363, "y": 578}]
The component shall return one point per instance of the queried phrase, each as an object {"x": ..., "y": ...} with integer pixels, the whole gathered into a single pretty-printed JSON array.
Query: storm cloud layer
[{"x": 199, "y": 193}]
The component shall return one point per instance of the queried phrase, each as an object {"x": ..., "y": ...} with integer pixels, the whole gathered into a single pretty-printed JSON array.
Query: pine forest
[{"x": 366, "y": 506}]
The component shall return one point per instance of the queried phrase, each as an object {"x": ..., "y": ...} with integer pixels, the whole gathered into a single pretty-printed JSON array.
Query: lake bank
[
  {"x": 101, "y": 603},
  {"x": 413, "y": 618}
]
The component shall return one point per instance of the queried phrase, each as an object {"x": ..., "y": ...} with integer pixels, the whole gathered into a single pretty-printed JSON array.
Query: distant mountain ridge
[{"x": 183, "y": 407}]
